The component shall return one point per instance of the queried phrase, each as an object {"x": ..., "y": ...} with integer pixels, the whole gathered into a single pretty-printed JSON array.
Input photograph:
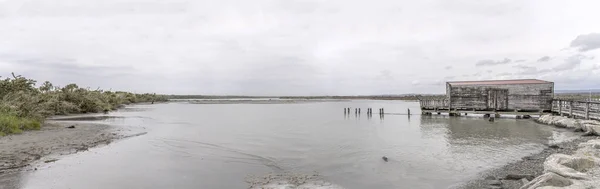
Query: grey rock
[
  {"x": 554, "y": 146},
  {"x": 384, "y": 158},
  {"x": 524, "y": 181},
  {"x": 519, "y": 177},
  {"x": 494, "y": 182},
  {"x": 589, "y": 134}
]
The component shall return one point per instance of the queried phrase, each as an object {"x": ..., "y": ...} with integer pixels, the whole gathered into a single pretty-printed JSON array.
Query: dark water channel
[{"x": 224, "y": 145}]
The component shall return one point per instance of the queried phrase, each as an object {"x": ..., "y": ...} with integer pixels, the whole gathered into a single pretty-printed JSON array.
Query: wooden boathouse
[{"x": 523, "y": 95}]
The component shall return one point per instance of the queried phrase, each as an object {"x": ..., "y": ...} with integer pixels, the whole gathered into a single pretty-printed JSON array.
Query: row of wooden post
[
  {"x": 357, "y": 110},
  {"x": 369, "y": 111}
]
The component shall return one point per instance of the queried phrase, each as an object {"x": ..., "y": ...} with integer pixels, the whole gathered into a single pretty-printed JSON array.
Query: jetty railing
[
  {"x": 587, "y": 109},
  {"x": 576, "y": 108}
]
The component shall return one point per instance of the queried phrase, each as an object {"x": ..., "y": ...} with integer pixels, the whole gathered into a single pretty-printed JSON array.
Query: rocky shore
[
  {"x": 572, "y": 164},
  {"x": 25, "y": 151}
]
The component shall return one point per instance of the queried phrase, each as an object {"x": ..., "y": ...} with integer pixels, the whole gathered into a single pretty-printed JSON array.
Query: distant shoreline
[{"x": 199, "y": 97}]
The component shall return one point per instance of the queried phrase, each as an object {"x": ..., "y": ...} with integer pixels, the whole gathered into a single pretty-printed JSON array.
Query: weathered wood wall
[
  {"x": 433, "y": 104},
  {"x": 524, "y": 97}
]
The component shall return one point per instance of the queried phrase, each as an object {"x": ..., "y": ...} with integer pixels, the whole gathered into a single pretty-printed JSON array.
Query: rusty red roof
[{"x": 499, "y": 82}]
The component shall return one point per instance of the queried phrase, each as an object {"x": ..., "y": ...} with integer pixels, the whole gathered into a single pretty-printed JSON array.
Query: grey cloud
[
  {"x": 386, "y": 75},
  {"x": 62, "y": 71},
  {"x": 449, "y": 77},
  {"x": 571, "y": 62},
  {"x": 428, "y": 83},
  {"x": 586, "y": 42},
  {"x": 528, "y": 70},
  {"x": 489, "y": 71},
  {"x": 266, "y": 47},
  {"x": 544, "y": 59},
  {"x": 489, "y": 62},
  {"x": 71, "y": 66},
  {"x": 521, "y": 60},
  {"x": 504, "y": 74}
]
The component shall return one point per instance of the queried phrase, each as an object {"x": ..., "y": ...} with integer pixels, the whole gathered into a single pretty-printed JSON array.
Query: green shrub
[
  {"x": 12, "y": 124},
  {"x": 24, "y": 107}
]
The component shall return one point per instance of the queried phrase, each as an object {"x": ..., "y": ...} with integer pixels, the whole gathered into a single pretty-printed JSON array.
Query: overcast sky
[{"x": 299, "y": 47}]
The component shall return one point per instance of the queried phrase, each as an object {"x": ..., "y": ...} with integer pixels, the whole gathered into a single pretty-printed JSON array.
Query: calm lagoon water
[{"x": 224, "y": 145}]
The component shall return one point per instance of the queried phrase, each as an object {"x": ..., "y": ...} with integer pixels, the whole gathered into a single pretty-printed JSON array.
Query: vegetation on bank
[
  {"x": 24, "y": 106},
  {"x": 578, "y": 96}
]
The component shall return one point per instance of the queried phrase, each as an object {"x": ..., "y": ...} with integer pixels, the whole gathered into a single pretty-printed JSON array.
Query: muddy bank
[{"x": 22, "y": 152}]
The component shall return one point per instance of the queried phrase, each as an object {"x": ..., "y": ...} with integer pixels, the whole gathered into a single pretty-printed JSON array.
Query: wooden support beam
[
  {"x": 571, "y": 109},
  {"x": 587, "y": 110},
  {"x": 560, "y": 107}
]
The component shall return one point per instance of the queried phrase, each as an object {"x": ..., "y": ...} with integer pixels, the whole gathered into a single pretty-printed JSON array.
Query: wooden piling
[
  {"x": 560, "y": 107},
  {"x": 571, "y": 109},
  {"x": 587, "y": 110},
  {"x": 409, "y": 111}
]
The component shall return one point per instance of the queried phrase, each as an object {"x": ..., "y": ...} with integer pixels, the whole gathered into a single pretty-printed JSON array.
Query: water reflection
[
  {"x": 219, "y": 145},
  {"x": 473, "y": 143},
  {"x": 460, "y": 130}
]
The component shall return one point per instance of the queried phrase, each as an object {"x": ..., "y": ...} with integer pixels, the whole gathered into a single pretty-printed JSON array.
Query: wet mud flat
[
  {"x": 24, "y": 152},
  {"x": 511, "y": 175}
]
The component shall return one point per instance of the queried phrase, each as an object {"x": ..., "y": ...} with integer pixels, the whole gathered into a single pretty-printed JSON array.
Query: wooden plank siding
[{"x": 523, "y": 97}]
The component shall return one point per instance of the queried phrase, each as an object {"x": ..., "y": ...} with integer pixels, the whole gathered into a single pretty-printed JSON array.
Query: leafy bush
[
  {"x": 24, "y": 107},
  {"x": 12, "y": 124}
]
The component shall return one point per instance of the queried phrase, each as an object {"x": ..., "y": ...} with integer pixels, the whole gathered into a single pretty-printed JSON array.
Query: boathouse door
[{"x": 497, "y": 99}]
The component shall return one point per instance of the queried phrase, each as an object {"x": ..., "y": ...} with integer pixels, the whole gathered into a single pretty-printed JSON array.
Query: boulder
[
  {"x": 569, "y": 166},
  {"x": 518, "y": 177},
  {"x": 548, "y": 179},
  {"x": 578, "y": 171},
  {"x": 524, "y": 181},
  {"x": 592, "y": 128},
  {"x": 494, "y": 182}
]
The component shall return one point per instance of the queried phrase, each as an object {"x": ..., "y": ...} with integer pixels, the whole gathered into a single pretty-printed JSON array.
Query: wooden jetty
[{"x": 585, "y": 109}]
